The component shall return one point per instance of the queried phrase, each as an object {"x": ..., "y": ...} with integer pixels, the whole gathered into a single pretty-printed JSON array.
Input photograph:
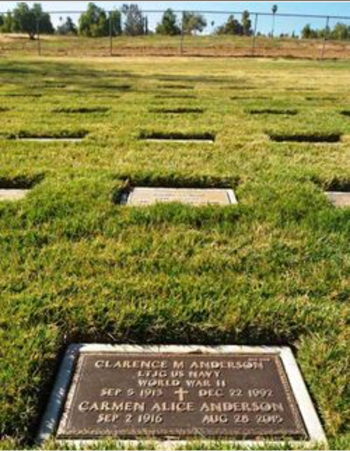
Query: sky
[{"x": 283, "y": 24}]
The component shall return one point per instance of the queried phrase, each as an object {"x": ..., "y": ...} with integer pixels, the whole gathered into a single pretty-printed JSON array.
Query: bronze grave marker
[{"x": 169, "y": 395}]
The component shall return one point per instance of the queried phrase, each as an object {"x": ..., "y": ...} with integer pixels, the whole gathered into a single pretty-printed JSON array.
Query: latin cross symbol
[{"x": 181, "y": 392}]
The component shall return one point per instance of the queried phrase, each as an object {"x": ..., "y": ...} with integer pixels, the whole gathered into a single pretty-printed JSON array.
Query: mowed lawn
[{"x": 76, "y": 266}]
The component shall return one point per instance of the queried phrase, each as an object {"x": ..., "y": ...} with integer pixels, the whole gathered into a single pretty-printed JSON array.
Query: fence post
[
  {"x": 325, "y": 39},
  {"x": 38, "y": 34},
  {"x": 110, "y": 34},
  {"x": 182, "y": 34},
  {"x": 254, "y": 33}
]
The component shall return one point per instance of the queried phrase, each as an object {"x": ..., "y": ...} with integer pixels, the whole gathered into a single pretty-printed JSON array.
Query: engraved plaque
[
  {"x": 193, "y": 196},
  {"x": 339, "y": 199},
  {"x": 180, "y": 395}
]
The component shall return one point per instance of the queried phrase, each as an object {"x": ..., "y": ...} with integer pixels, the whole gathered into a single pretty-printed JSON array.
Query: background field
[
  {"x": 76, "y": 266},
  {"x": 153, "y": 45}
]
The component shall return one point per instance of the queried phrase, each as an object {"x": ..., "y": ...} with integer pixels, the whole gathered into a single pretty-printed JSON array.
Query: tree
[
  {"x": 26, "y": 20},
  {"x": 134, "y": 24},
  {"x": 340, "y": 32},
  {"x": 193, "y": 23},
  {"x": 96, "y": 23},
  {"x": 308, "y": 33},
  {"x": 274, "y": 11},
  {"x": 7, "y": 23},
  {"x": 246, "y": 24},
  {"x": 67, "y": 28},
  {"x": 232, "y": 26},
  {"x": 168, "y": 24}
]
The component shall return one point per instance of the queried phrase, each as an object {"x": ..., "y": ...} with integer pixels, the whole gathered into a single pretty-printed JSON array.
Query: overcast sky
[{"x": 282, "y": 24}]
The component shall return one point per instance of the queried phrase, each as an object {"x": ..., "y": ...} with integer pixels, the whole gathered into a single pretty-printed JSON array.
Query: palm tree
[{"x": 274, "y": 11}]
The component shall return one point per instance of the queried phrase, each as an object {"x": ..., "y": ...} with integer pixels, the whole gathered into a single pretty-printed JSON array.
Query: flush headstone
[
  {"x": 12, "y": 194},
  {"x": 339, "y": 199},
  {"x": 180, "y": 393},
  {"x": 147, "y": 196}
]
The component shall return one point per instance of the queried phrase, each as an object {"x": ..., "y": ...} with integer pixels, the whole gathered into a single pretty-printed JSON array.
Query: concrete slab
[
  {"x": 13, "y": 195},
  {"x": 339, "y": 199}
]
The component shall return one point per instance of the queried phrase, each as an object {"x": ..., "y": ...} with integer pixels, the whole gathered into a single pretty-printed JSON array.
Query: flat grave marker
[
  {"x": 47, "y": 137},
  {"x": 199, "y": 138},
  {"x": 340, "y": 199},
  {"x": 13, "y": 194},
  {"x": 175, "y": 393},
  {"x": 44, "y": 140},
  {"x": 140, "y": 196}
]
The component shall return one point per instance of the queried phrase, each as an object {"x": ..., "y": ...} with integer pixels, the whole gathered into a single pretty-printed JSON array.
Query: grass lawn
[{"x": 77, "y": 266}]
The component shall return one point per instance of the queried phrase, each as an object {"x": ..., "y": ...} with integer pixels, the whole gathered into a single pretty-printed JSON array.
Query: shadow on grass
[
  {"x": 306, "y": 137},
  {"x": 20, "y": 182}
]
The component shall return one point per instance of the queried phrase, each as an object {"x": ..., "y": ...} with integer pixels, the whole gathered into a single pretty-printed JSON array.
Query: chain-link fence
[{"x": 223, "y": 34}]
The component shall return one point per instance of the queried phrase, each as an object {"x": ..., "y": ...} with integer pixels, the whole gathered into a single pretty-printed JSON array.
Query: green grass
[{"x": 76, "y": 266}]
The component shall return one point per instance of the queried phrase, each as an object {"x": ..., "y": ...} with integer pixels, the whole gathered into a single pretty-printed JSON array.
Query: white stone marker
[
  {"x": 13, "y": 194},
  {"x": 47, "y": 140},
  {"x": 339, "y": 199},
  {"x": 181, "y": 140},
  {"x": 194, "y": 196}
]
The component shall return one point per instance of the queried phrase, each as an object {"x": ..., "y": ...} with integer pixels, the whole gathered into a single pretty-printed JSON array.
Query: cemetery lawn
[{"x": 76, "y": 266}]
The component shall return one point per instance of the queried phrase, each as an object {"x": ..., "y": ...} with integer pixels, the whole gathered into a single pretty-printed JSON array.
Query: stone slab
[
  {"x": 13, "y": 194},
  {"x": 177, "y": 393},
  {"x": 140, "y": 196},
  {"x": 339, "y": 199},
  {"x": 179, "y": 140},
  {"x": 45, "y": 140}
]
